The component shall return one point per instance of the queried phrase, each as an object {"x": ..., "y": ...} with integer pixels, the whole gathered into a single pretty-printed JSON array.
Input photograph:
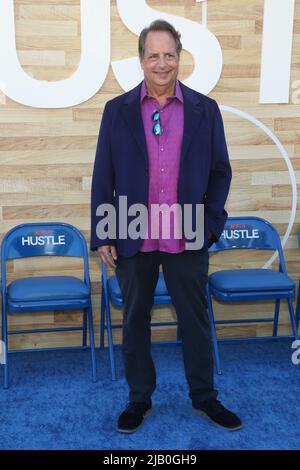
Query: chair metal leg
[
  {"x": 298, "y": 305},
  {"x": 110, "y": 340},
  {"x": 5, "y": 363},
  {"x": 276, "y": 317},
  {"x": 102, "y": 321},
  {"x": 84, "y": 331},
  {"x": 4, "y": 345},
  {"x": 293, "y": 320},
  {"x": 178, "y": 335},
  {"x": 213, "y": 331},
  {"x": 92, "y": 343},
  {"x": 5, "y": 366}
]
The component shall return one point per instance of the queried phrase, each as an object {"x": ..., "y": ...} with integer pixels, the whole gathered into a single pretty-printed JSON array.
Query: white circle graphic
[{"x": 286, "y": 157}]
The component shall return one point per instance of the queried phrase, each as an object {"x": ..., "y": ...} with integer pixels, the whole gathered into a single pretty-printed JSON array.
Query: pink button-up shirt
[{"x": 164, "y": 161}]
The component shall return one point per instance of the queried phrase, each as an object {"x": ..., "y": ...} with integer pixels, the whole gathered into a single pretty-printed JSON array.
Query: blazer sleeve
[
  {"x": 102, "y": 180},
  {"x": 219, "y": 180}
]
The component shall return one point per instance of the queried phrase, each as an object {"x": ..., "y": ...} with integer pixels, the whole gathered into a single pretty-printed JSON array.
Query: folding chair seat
[
  {"x": 41, "y": 293},
  {"x": 227, "y": 282},
  {"x": 250, "y": 284},
  {"x": 49, "y": 288}
]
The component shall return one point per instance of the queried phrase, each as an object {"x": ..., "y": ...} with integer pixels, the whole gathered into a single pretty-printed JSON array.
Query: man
[{"x": 163, "y": 143}]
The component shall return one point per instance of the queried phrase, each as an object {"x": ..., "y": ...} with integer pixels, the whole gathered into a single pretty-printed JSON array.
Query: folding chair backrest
[
  {"x": 249, "y": 233},
  {"x": 44, "y": 239},
  {"x": 40, "y": 239}
]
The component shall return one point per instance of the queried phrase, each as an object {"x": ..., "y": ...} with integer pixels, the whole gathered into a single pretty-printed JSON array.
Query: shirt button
[
  {"x": 162, "y": 149},
  {"x": 162, "y": 190},
  {"x": 162, "y": 169}
]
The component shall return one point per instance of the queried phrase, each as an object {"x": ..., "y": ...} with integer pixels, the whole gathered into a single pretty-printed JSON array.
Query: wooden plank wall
[{"x": 47, "y": 156}]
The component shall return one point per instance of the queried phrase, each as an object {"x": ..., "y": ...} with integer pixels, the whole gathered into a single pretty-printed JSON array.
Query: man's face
[{"x": 161, "y": 61}]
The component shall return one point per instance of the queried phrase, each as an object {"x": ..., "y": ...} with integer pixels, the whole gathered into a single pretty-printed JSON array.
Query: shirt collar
[{"x": 178, "y": 92}]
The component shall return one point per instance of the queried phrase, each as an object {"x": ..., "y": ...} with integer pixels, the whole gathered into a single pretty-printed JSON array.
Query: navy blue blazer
[{"x": 121, "y": 163}]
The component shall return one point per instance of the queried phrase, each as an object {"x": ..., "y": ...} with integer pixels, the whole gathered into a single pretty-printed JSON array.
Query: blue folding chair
[
  {"x": 298, "y": 296},
  {"x": 111, "y": 294},
  {"x": 250, "y": 284},
  {"x": 41, "y": 293}
]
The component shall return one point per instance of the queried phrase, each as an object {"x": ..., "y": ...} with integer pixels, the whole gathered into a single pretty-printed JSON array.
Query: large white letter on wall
[
  {"x": 196, "y": 39},
  {"x": 276, "y": 51},
  {"x": 82, "y": 85}
]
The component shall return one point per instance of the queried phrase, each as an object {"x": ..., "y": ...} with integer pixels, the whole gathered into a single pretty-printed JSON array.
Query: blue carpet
[{"x": 53, "y": 404}]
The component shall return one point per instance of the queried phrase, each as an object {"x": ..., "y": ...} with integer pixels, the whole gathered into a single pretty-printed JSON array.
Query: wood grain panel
[{"x": 47, "y": 156}]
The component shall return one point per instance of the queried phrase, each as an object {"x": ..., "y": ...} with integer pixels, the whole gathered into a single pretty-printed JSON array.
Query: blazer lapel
[
  {"x": 131, "y": 111},
  {"x": 193, "y": 118}
]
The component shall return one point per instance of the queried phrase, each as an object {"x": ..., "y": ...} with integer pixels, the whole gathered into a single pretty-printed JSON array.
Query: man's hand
[{"x": 108, "y": 254}]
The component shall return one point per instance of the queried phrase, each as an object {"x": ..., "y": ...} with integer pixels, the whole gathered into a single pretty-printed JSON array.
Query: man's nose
[{"x": 162, "y": 62}]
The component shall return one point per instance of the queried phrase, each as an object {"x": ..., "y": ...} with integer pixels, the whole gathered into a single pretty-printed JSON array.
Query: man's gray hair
[{"x": 159, "y": 25}]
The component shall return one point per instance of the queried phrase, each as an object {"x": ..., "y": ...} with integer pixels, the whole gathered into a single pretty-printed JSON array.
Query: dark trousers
[{"x": 185, "y": 275}]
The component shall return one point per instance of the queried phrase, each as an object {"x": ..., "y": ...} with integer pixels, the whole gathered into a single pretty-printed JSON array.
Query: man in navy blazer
[
  {"x": 205, "y": 172},
  {"x": 177, "y": 154}
]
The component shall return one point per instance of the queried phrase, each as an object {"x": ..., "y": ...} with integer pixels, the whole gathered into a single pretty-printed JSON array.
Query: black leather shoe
[
  {"x": 218, "y": 414},
  {"x": 133, "y": 416}
]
